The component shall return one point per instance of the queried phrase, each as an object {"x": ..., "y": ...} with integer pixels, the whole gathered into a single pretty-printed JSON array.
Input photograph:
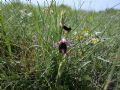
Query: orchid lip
[{"x": 62, "y": 47}]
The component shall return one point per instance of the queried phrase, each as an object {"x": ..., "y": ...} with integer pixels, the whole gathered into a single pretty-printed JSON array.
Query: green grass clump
[{"x": 30, "y": 61}]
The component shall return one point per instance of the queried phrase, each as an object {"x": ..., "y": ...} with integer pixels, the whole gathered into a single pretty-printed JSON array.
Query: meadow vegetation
[{"x": 29, "y": 56}]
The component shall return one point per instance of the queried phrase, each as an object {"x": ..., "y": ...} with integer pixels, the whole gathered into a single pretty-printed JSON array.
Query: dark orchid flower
[
  {"x": 62, "y": 45},
  {"x": 68, "y": 29}
]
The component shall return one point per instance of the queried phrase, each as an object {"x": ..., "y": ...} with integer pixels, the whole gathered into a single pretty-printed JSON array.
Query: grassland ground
[{"x": 29, "y": 54}]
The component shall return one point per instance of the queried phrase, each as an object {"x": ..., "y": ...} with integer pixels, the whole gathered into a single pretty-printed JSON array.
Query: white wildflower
[
  {"x": 97, "y": 33},
  {"x": 29, "y": 14},
  {"x": 51, "y": 11},
  {"x": 75, "y": 33},
  {"x": 94, "y": 40},
  {"x": 86, "y": 34}
]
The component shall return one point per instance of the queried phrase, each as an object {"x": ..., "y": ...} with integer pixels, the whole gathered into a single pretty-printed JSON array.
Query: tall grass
[{"x": 29, "y": 60}]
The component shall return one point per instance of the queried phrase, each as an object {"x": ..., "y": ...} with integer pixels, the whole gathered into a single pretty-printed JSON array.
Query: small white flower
[
  {"x": 29, "y": 14},
  {"x": 97, "y": 33},
  {"x": 75, "y": 33},
  {"x": 23, "y": 10},
  {"x": 86, "y": 34},
  {"x": 51, "y": 11},
  {"x": 17, "y": 62},
  {"x": 23, "y": 13}
]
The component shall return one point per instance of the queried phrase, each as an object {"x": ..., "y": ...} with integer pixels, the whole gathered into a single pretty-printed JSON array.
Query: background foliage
[{"x": 29, "y": 60}]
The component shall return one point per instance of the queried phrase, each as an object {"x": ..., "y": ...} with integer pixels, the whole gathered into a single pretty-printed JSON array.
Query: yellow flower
[
  {"x": 90, "y": 18},
  {"x": 79, "y": 37},
  {"x": 94, "y": 41},
  {"x": 86, "y": 31}
]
